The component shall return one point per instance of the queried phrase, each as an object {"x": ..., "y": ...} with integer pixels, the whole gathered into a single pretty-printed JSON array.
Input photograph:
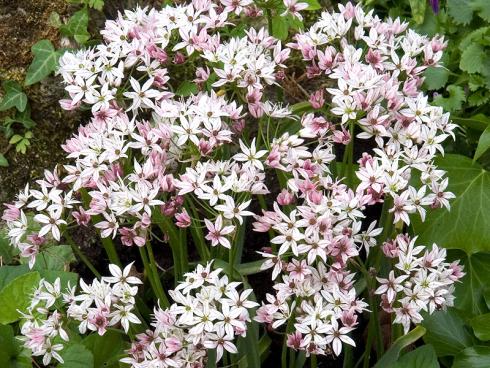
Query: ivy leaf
[
  {"x": 471, "y": 293},
  {"x": 76, "y": 356},
  {"x": 55, "y": 258},
  {"x": 14, "y": 96},
  {"x": 17, "y": 295},
  {"x": 481, "y": 326},
  {"x": 77, "y": 26},
  {"x": 12, "y": 353},
  {"x": 463, "y": 226},
  {"x": 44, "y": 63},
  {"x": 454, "y": 101},
  {"x": 483, "y": 144},
  {"x": 435, "y": 78},
  {"x": 474, "y": 357},
  {"x": 186, "y": 88},
  {"x": 280, "y": 27},
  {"x": 473, "y": 59},
  {"x": 446, "y": 333},
  {"x": 105, "y": 348},
  {"x": 3, "y": 161},
  {"x": 424, "y": 356},
  {"x": 460, "y": 10}
]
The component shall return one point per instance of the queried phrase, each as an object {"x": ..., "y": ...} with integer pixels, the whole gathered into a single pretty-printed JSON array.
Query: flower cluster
[
  {"x": 376, "y": 84},
  {"x": 103, "y": 303},
  {"x": 423, "y": 281},
  {"x": 155, "y": 155},
  {"x": 316, "y": 242},
  {"x": 208, "y": 313}
]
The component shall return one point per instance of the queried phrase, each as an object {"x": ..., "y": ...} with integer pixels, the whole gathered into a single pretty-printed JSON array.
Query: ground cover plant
[{"x": 240, "y": 226}]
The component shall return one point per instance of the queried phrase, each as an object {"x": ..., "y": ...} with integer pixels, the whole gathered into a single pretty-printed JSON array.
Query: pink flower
[
  {"x": 216, "y": 232},
  {"x": 12, "y": 213},
  {"x": 183, "y": 219}
]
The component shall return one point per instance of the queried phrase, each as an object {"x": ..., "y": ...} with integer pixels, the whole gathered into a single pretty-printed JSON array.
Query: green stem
[
  {"x": 155, "y": 282},
  {"x": 313, "y": 362},
  {"x": 80, "y": 255},
  {"x": 269, "y": 20},
  {"x": 350, "y": 160}
]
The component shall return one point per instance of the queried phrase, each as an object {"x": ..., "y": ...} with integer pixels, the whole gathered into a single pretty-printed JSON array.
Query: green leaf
[
  {"x": 57, "y": 257},
  {"x": 96, "y": 4},
  {"x": 466, "y": 225},
  {"x": 44, "y": 63},
  {"x": 15, "y": 139},
  {"x": 418, "y": 10},
  {"x": 454, "y": 101},
  {"x": 17, "y": 295},
  {"x": 482, "y": 7},
  {"x": 280, "y": 27},
  {"x": 186, "y": 88},
  {"x": 14, "y": 96},
  {"x": 312, "y": 4},
  {"x": 460, "y": 10},
  {"x": 77, "y": 26},
  {"x": 435, "y": 78},
  {"x": 9, "y": 273},
  {"x": 446, "y": 333},
  {"x": 77, "y": 356},
  {"x": 424, "y": 356},
  {"x": 483, "y": 143},
  {"x": 470, "y": 293},
  {"x": 12, "y": 354},
  {"x": 392, "y": 354},
  {"x": 3, "y": 161},
  {"x": 473, "y": 59},
  {"x": 481, "y": 326},
  {"x": 105, "y": 348},
  {"x": 474, "y": 357}
]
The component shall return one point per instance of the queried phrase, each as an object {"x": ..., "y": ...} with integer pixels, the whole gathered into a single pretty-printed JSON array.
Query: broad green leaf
[
  {"x": 483, "y": 143},
  {"x": 446, "y": 333},
  {"x": 471, "y": 292},
  {"x": 466, "y": 225},
  {"x": 186, "y": 88},
  {"x": 17, "y": 295},
  {"x": 14, "y": 96},
  {"x": 435, "y": 78},
  {"x": 312, "y": 4},
  {"x": 105, "y": 349},
  {"x": 454, "y": 101},
  {"x": 57, "y": 257},
  {"x": 77, "y": 26},
  {"x": 474, "y": 357},
  {"x": 460, "y": 10},
  {"x": 424, "y": 356},
  {"x": 9, "y": 273},
  {"x": 392, "y": 354},
  {"x": 481, "y": 326},
  {"x": 12, "y": 353},
  {"x": 77, "y": 356},
  {"x": 418, "y": 10},
  {"x": 44, "y": 63},
  {"x": 473, "y": 59},
  {"x": 6, "y": 250},
  {"x": 280, "y": 27},
  {"x": 96, "y": 4},
  {"x": 3, "y": 161},
  {"x": 482, "y": 7}
]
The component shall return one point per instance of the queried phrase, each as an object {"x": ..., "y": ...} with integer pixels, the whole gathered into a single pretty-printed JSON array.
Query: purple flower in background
[{"x": 435, "y": 5}]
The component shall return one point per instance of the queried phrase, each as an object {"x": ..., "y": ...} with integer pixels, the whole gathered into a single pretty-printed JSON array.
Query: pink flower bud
[
  {"x": 179, "y": 58},
  {"x": 317, "y": 100},
  {"x": 285, "y": 198},
  {"x": 183, "y": 219}
]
